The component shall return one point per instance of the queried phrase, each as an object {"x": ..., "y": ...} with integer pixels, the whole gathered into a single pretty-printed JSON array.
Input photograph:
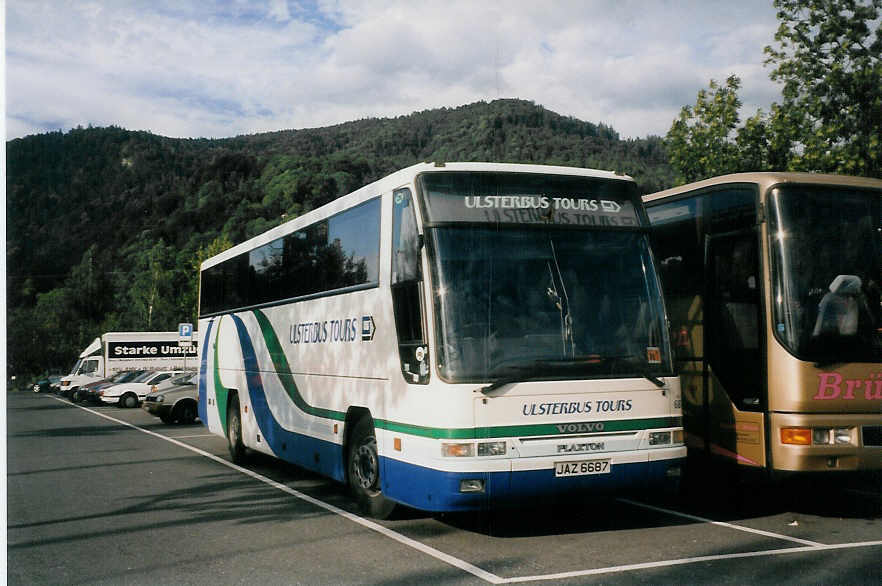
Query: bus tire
[
  {"x": 363, "y": 465},
  {"x": 238, "y": 451}
]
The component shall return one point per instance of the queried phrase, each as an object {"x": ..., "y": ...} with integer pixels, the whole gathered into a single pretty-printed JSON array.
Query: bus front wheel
[{"x": 364, "y": 471}]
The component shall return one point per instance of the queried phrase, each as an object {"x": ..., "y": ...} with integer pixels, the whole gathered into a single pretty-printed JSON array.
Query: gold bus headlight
[
  {"x": 821, "y": 436},
  {"x": 817, "y": 436},
  {"x": 842, "y": 435}
]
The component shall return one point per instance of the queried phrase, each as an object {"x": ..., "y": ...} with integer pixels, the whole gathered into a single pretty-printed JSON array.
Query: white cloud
[{"x": 232, "y": 67}]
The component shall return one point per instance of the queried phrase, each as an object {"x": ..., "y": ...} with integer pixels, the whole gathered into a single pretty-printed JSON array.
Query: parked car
[
  {"x": 131, "y": 394},
  {"x": 89, "y": 392},
  {"x": 46, "y": 385},
  {"x": 174, "y": 400}
]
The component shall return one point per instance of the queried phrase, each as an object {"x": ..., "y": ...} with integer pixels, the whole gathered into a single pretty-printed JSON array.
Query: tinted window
[{"x": 342, "y": 251}]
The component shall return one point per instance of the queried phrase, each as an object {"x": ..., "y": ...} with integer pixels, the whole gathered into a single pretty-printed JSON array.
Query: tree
[
  {"x": 827, "y": 55},
  {"x": 702, "y": 141}
]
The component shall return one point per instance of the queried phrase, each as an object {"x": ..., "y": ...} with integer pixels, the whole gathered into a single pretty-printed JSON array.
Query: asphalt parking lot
[{"x": 102, "y": 495}]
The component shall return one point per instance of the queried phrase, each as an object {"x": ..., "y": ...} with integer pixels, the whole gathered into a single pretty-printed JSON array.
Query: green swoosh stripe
[
  {"x": 221, "y": 393},
  {"x": 283, "y": 370}
]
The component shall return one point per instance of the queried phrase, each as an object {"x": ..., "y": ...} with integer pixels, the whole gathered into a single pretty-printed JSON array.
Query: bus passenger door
[
  {"x": 407, "y": 290},
  {"x": 735, "y": 397}
]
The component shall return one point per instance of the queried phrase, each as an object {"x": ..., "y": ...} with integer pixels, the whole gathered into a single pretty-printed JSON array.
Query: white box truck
[{"x": 117, "y": 351}]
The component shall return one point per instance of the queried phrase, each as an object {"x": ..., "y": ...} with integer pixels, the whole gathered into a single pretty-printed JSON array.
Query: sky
[{"x": 220, "y": 68}]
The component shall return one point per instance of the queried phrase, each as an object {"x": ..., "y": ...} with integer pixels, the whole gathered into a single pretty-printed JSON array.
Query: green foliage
[
  {"x": 827, "y": 56},
  {"x": 702, "y": 140},
  {"x": 106, "y": 228}
]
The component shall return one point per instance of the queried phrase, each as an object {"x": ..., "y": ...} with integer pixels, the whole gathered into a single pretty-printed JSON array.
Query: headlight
[
  {"x": 159, "y": 399},
  {"x": 458, "y": 450},
  {"x": 831, "y": 436},
  {"x": 659, "y": 438},
  {"x": 491, "y": 449},
  {"x": 821, "y": 435},
  {"x": 817, "y": 436},
  {"x": 842, "y": 435},
  {"x": 467, "y": 450}
]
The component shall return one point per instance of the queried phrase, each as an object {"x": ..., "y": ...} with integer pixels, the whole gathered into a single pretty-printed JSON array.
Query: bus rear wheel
[
  {"x": 364, "y": 471},
  {"x": 238, "y": 451}
]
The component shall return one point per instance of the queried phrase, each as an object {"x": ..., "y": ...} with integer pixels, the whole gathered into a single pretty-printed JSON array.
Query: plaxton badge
[{"x": 581, "y": 447}]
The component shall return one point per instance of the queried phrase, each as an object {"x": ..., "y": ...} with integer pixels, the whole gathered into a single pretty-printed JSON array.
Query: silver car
[{"x": 177, "y": 402}]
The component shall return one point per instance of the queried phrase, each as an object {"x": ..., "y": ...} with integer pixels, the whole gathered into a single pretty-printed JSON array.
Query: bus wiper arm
[
  {"x": 527, "y": 372},
  {"x": 654, "y": 379},
  {"x": 530, "y": 371}
]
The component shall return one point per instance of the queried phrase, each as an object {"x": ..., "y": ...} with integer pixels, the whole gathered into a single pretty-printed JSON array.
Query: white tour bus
[{"x": 451, "y": 337}]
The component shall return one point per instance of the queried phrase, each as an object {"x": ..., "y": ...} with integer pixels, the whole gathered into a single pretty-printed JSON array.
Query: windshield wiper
[
  {"x": 543, "y": 367},
  {"x": 653, "y": 379},
  {"x": 526, "y": 373}
]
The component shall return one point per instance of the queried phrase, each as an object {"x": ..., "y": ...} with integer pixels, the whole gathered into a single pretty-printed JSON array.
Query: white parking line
[
  {"x": 440, "y": 555},
  {"x": 721, "y": 523},
  {"x": 809, "y": 546},
  {"x": 695, "y": 560}
]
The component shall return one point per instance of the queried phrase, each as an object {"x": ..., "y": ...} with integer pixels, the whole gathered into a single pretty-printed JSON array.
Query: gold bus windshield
[{"x": 827, "y": 272}]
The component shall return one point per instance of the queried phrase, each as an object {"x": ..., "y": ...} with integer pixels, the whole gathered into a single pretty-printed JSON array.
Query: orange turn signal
[{"x": 800, "y": 436}]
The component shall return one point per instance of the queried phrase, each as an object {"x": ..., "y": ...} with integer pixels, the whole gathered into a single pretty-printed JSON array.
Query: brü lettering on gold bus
[{"x": 831, "y": 385}]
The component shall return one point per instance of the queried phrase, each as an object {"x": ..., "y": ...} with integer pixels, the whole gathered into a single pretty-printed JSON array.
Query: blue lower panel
[
  {"x": 320, "y": 456},
  {"x": 434, "y": 490}
]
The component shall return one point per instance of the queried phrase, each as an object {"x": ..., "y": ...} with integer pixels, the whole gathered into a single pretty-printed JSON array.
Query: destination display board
[{"x": 527, "y": 198}]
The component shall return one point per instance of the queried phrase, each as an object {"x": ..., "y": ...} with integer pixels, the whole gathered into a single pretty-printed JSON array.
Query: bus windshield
[
  {"x": 826, "y": 259},
  {"x": 545, "y": 302}
]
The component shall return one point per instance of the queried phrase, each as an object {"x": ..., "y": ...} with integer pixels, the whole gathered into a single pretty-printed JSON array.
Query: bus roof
[
  {"x": 766, "y": 179},
  {"x": 398, "y": 179}
]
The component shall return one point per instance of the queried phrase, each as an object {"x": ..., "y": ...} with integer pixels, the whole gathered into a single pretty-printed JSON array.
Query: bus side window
[{"x": 407, "y": 288}]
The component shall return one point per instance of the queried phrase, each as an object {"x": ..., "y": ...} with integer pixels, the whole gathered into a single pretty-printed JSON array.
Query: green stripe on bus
[
  {"x": 283, "y": 371},
  {"x": 221, "y": 393},
  {"x": 540, "y": 429}
]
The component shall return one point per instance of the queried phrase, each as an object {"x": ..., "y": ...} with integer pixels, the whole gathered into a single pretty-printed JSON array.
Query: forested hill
[{"x": 105, "y": 225}]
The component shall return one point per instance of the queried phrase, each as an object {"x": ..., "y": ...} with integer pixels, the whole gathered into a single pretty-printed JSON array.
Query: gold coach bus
[{"x": 772, "y": 282}]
